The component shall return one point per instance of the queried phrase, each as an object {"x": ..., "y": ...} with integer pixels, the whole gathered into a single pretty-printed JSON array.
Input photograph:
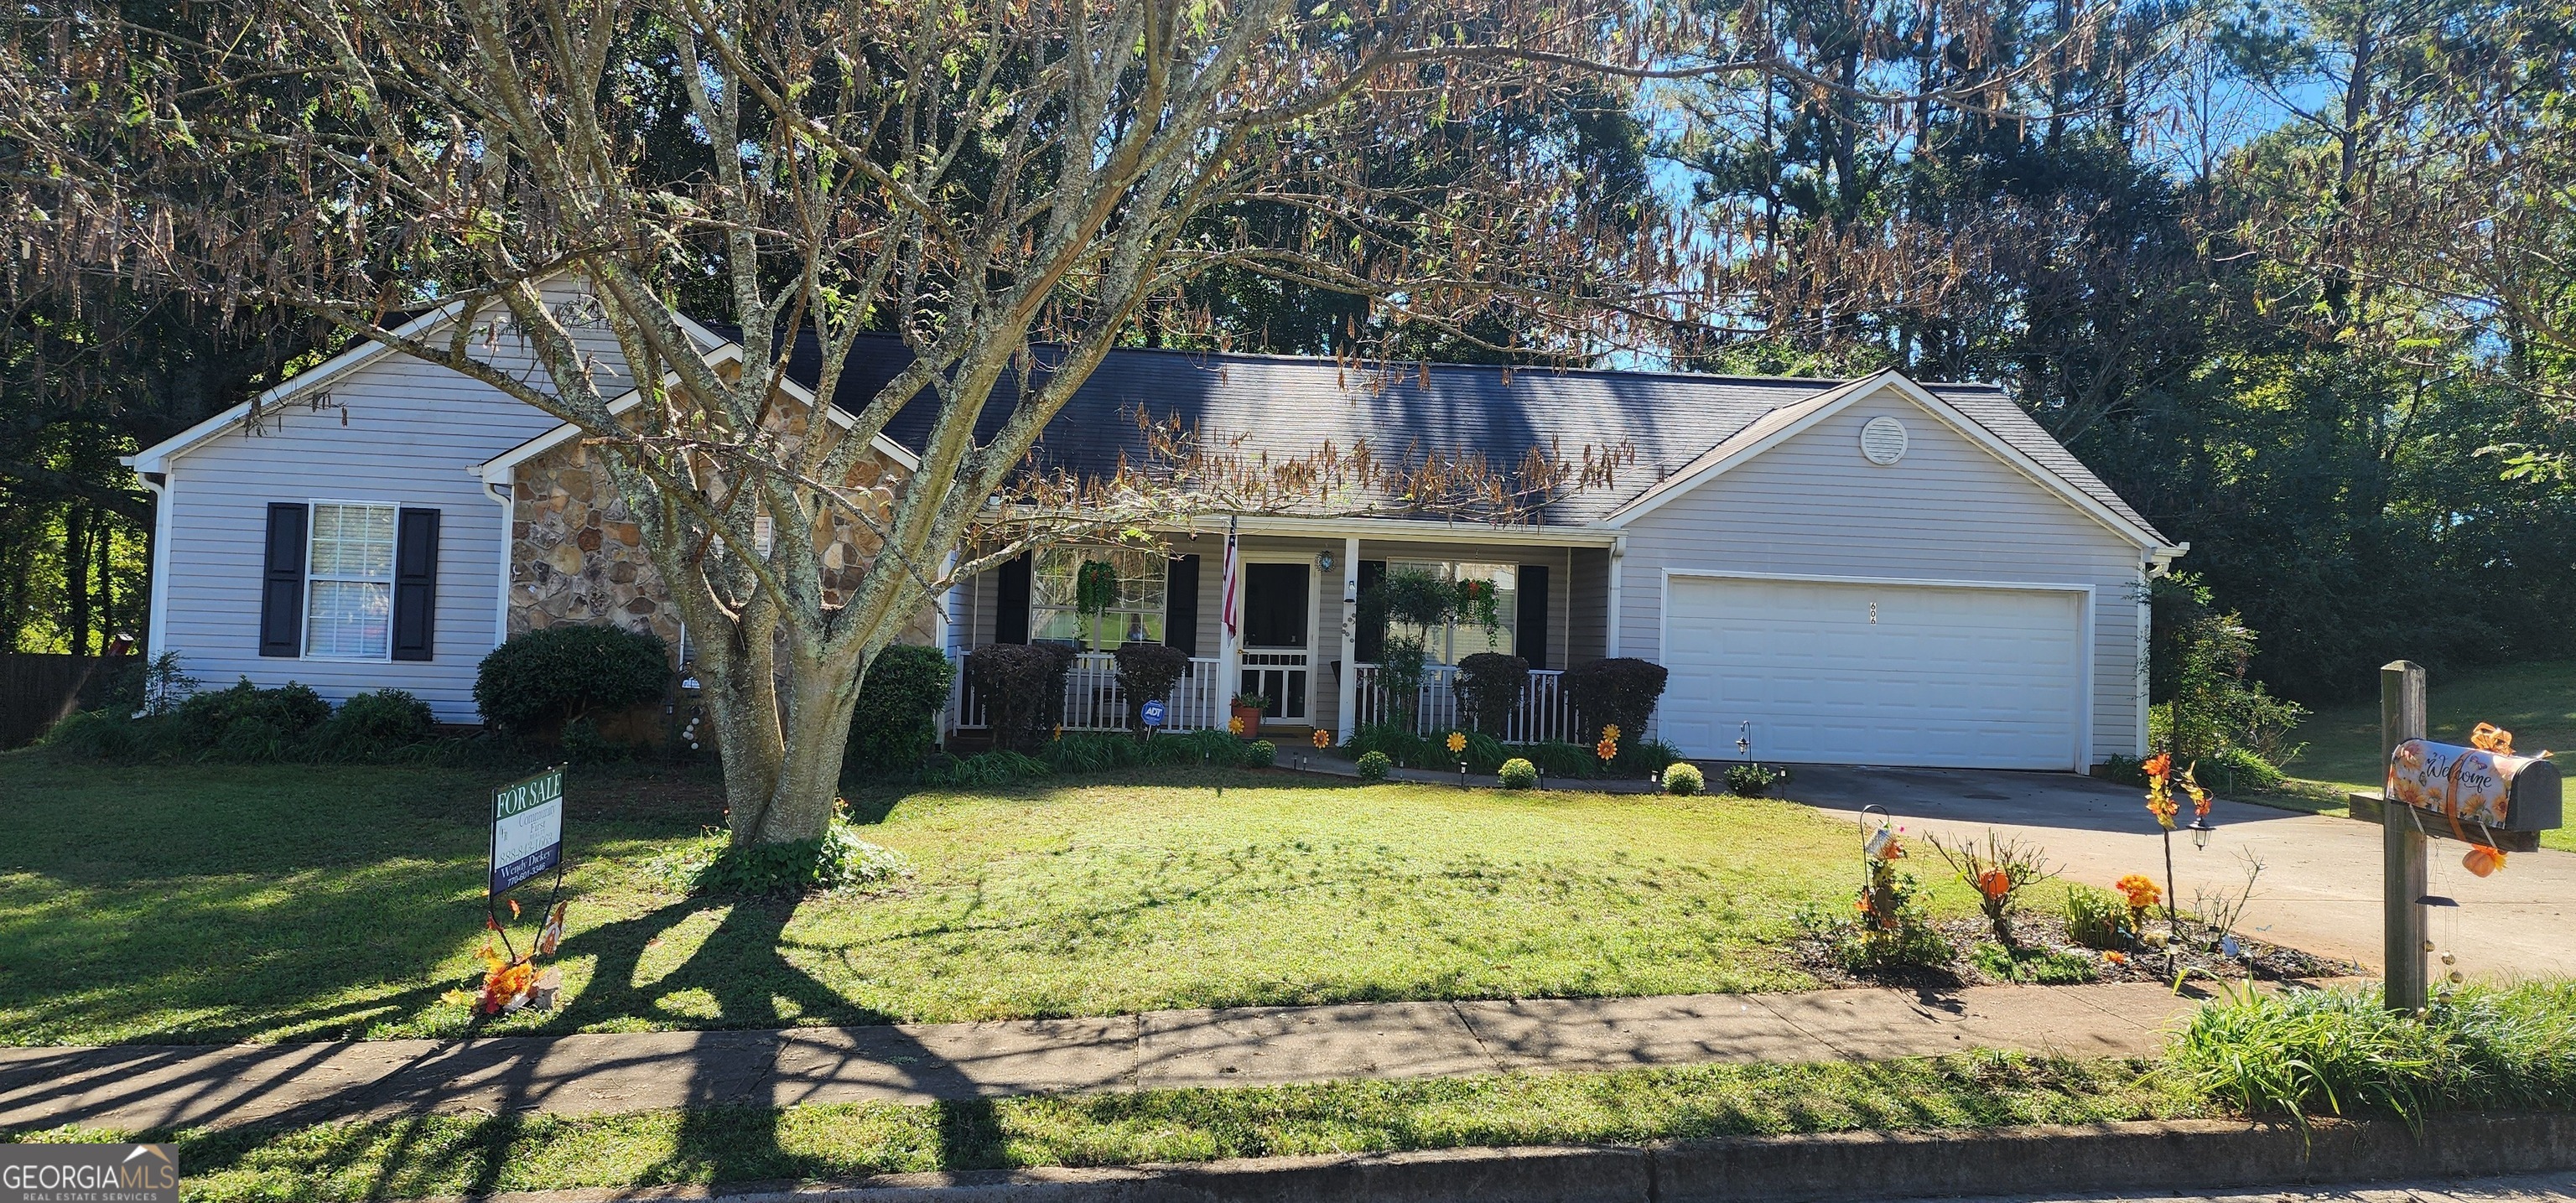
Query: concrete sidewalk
[{"x": 135, "y": 1087}]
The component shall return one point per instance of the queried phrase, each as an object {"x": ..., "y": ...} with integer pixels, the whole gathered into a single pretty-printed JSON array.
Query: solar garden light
[{"x": 2200, "y": 829}]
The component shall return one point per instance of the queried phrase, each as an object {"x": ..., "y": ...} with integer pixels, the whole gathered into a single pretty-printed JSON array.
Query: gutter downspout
[
  {"x": 157, "y": 600},
  {"x": 501, "y": 588},
  {"x": 1610, "y": 636}
]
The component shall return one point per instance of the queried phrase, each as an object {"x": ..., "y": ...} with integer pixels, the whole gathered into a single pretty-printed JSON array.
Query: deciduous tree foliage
[{"x": 1006, "y": 186}]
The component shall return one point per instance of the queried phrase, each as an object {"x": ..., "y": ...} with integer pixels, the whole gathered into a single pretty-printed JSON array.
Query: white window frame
[
  {"x": 1441, "y": 647},
  {"x": 393, "y": 558},
  {"x": 1156, "y": 614}
]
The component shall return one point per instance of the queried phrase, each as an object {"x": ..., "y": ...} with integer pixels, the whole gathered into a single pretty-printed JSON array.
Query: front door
[{"x": 1278, "y": 616}]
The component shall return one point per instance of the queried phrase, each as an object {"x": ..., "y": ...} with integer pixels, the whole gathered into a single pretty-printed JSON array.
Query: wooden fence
[{"x": 38, "y": 687}]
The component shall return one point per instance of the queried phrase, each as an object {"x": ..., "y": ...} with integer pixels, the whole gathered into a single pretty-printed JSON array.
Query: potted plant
[{"x": 1247, "y": 714}]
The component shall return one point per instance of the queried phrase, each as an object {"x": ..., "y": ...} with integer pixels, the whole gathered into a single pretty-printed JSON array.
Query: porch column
[{"x": 1346, "y": 705}]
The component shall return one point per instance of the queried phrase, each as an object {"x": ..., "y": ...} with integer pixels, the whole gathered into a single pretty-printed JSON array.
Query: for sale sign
[{"x": 527, "y": 828}]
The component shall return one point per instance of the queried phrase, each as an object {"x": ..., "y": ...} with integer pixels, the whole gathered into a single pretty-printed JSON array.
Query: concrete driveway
[{"x": 2320, "y": 885}]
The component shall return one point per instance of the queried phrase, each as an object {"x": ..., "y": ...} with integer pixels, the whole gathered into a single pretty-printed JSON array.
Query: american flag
[{"x": 1226, "y": 607}]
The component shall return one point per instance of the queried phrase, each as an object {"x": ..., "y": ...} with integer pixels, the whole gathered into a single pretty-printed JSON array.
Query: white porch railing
[
  {"x": 1093, "y": 700},
  {"x": 1542, "y": 714}
]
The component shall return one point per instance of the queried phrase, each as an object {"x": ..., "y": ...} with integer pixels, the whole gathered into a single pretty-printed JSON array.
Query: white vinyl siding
[
  {"x": 1949, "y": 511},
  {"x": 393, "y": 432}
]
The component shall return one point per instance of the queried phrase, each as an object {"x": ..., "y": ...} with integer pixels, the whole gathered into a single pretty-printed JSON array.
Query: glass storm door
[{"x": 1278, "y": 617}]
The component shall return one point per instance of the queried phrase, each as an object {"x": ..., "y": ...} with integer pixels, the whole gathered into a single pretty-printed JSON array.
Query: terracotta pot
[{"x": 1251, "y": 718}]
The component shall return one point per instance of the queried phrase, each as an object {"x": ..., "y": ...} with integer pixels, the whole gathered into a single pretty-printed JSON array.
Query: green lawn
[
  {"x": 219, "y": 903},
  {"x": 449, "y": 1156},
  {"x": 2537, "y": 702}
]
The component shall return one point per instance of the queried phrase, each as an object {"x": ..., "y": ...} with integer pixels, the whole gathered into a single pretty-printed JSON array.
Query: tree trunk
[{"x": 76, "y": 575}]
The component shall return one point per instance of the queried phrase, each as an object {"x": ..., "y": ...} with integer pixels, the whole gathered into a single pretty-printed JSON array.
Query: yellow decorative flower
[
  {"x": 1610, "y": 731},
  {"x": 1323, "y": 738},
  {"x": 1234, "y": 726},
  {"x": 1457, "y": 742}
]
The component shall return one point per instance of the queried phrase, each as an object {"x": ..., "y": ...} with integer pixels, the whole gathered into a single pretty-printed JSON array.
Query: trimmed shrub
[
  {"x": 1022, "y": 688},
  {"x": 377, "y": 725},
  {"x": 1147, "y": 671},
  {"x": 584, "y": 743},
  {"x": 896, "y": 720},
  {"x": 1683, "y": 778},
  {"x": 1373, "y": 766},
  {"x": 1752, "y": 780},
  {"x": 290, "y": 711},
  {"x": 1489, "y": 686},
  {"x": 532, "y": 685},
  {"x": 1517, "y": 773},
  {"x": 1260, "y": 754},
  {"x": 1621, "y": 690}
]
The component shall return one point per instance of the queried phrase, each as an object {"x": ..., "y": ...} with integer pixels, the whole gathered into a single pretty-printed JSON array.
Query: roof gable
[{"x": 1773, "y": 429}]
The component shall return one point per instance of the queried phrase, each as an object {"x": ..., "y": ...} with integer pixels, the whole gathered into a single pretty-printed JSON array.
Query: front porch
[
  {"x": 1298, "y": 641},
  {"x": 1095, "y": 701}
]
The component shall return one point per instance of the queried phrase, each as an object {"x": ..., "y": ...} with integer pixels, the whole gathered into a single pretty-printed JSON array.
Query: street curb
[{"x": 2170, "y": 1155}]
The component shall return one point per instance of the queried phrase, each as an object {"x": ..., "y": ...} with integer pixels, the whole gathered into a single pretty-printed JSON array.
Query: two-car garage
[{"x": 1860, "y": 672}]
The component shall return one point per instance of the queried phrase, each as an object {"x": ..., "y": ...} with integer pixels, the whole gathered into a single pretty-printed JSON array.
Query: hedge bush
[
  {"x": 896, "y": 721},
  {"x": 1752, "y": 780},
  {"x": 289, "y": 711},
  {"x": 1022, "y": 688},
  {"x": 1373, "y": 766},
  {"x": 1517, "y": 773},
  {"x": 377, "y": 725},
  {"x": 1621, "y": 690},
  {"x": 1147, "y": 671},
  {"x": 535, "y": 683},
  {"x": 1684, "y": 779},
  {"x": 1260, "y": 754},
  {"x": 1489, "y": 686}
]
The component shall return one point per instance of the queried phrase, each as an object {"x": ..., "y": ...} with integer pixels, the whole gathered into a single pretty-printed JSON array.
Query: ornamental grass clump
[{"x": 2343, "y": 1053}]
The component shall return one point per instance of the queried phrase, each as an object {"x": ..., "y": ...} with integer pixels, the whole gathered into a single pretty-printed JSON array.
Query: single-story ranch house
[{"x": 1868, "y": 571}]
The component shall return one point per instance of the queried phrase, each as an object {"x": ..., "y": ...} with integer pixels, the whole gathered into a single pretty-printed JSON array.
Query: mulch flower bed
[{"x": 2256, "y": 959}]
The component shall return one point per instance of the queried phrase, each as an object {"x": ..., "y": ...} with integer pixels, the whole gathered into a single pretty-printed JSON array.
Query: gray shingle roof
[{"x": 1290, "y": 406}]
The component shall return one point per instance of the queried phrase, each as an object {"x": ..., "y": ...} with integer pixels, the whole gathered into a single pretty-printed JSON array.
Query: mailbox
[{"x": 2493, "y": 790}]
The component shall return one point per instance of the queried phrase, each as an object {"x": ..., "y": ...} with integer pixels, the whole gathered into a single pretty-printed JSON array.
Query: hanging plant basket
[{"x": 1095, "y": 587}]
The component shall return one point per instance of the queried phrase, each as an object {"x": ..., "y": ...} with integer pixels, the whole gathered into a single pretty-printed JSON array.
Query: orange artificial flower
[
  {"x": 1995, "y": 883},
  {"x": 2141, "y": 890},
  {"x": 1323, "y": 739},
  {"x": 2199, "y": 797},
  {"x": 2483, "y": 860},
  {"x": 2491, "y": 738},
  {"x": 2116, "y": 958},
  {"x": 2158, "y": 765}
]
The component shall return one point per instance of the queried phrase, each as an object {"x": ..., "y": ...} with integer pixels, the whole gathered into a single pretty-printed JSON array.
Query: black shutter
[
  {"x": 1181, "y": 605},
  {"x": 281, "y": 591},
  {"x": 1372, "y": 638},
  {"x": 415, "y": 583},
  {"x": 1529, "y": 641},
  {"x": 1011, "y": 609}
]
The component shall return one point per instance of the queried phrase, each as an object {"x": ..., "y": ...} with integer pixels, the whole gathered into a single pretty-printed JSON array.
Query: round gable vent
[{"x": 1882, "y": 440}]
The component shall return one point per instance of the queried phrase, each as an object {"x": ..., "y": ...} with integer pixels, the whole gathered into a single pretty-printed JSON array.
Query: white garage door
[{"x": 1957, "y": 677}]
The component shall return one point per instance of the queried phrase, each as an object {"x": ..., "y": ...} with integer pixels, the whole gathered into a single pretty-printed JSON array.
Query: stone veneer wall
[{"x": 577, "y": 556}]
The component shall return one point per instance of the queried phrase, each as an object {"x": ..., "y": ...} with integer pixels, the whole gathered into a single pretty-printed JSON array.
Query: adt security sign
[
  {"x": 527, "y": 828},
  {"x": 1154, "y": 713}
]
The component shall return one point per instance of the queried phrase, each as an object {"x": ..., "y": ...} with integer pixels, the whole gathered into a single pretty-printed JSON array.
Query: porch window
[
  {"x": 1454, "y": 641},
  {"x": 1136, "y": 616},
  {"x": 349, "y": 587}
]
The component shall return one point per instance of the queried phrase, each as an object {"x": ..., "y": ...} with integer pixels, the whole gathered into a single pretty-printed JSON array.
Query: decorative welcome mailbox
[{"x": 2496, "y": 791}]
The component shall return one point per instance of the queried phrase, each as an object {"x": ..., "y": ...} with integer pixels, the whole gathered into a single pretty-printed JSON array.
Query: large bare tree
[{"x": 1004, "y": 184}]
